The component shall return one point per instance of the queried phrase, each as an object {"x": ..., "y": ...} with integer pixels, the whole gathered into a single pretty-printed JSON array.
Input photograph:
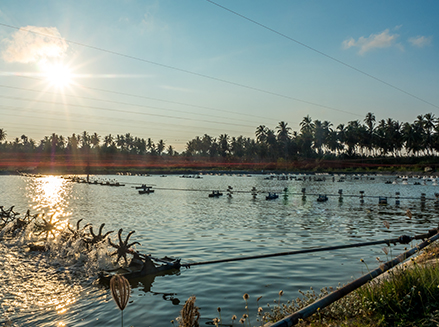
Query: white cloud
[
  {"x": 374, "y": 41},
  {"x": 32, "y": 44},
  {"x": 420, "y": 41}
]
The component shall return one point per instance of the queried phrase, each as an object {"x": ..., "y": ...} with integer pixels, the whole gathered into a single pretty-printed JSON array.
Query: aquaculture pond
[{"x": 59, "y": 287}]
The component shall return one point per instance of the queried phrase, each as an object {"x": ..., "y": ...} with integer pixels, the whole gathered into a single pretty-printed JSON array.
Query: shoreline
[{"x": 166, "y": 171}]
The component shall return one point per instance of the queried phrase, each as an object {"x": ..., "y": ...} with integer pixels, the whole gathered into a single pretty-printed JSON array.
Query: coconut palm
[
  {"x": 318, "y": 136},
  {"x": 170, "y": 151},
  {"x": 2, "y": 134},
  {"x": 108, "y": 140},
  {"x": 160, "y": 147},
  {"x": 95, "y": 140},
  {"x": 429, "y": 125},
  {"x": 283, "y": 132},
  {"x": 261, "y": 133},
  {"x": 72, "y": 142},
  {"x": 370, "y": 123},
  {"x": 85, "y": 140},
  {"x": 223, "y": 141},
  {"x": 306, "y": 125}
]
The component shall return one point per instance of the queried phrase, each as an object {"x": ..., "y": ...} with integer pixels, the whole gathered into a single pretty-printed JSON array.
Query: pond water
[{"x": 180, "y": 220}]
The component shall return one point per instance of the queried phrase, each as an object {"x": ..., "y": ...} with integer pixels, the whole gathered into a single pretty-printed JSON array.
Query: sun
[{"x": 57, "y": 75}]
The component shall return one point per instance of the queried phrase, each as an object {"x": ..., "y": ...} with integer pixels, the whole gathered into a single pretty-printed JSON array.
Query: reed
[{"x": 120, "y": 290}]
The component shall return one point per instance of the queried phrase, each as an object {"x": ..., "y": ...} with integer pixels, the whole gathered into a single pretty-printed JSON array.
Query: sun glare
[{"x": 58, "y": 75}]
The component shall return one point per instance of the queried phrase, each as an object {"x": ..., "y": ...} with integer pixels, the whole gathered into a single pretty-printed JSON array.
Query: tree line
[
  {"x": 318, "y": 139},
  {"x": 314, "y": 139},
  {"x": 85, "y": 143}
]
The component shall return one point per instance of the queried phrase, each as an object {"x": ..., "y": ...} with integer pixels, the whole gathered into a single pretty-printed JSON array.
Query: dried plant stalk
[{"x": 190, "y": 314}]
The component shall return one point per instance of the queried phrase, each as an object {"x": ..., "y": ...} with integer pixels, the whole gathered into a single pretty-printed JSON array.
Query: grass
[{"x": 407, "y": 296}]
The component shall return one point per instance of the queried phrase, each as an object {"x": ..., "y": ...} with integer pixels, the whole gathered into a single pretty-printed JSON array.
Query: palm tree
[
  {"x": 411, "y": 138},
  {"x": 160, "y": 147},
  {"x": 341, "y": 136},
  {"x": 318, "y": 136},
  {"x": 205, "y": 144},
  {"x": 429, "y": 125},
  {"x": 72, "y": 142},
  {"x": 150, "y": 146},
  {"x": 120, "y": 142},
  {"x": 306, "y": 125},
  {"x": 2, "y": 134},
  {"x": 95, "y": 139},
  {"x": 283, "y": 137},
  {"x": 85, "y": 140},
  {"x": 108, "y": 140},
  {"x": 353, "y": 137},
  {"x": 223, "y": 141},
  {"x": 261, "y": 133},
  {"x": 370, "y": 123},
  {"x": 24, "y": 139},
  {"x": 170, "y": 151},
  {"x": 305, "y": 139},
  {"x": 129, "y": 141},
  {"x": 283, "y": 132}
]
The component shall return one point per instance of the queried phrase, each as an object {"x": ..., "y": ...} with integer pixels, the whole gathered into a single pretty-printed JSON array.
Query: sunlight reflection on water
[{"x": 49, "y": 194}]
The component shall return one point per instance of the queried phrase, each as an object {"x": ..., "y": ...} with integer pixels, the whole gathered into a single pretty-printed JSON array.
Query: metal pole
[{"x": 404, "y": 239}]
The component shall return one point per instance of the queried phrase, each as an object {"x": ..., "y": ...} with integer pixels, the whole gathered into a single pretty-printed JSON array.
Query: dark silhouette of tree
[
  {"x": 2, "y": 135},
  {"x": 223, "y": 141},
  {"x": 370, "y": 123},
  {"x": 160, "y": 147},
  {"x": 386, "y": 138},
  {"x": 95, "y": 140},
  {"x": 306, "y": 137},
  {"x": 170, "y": 151}
]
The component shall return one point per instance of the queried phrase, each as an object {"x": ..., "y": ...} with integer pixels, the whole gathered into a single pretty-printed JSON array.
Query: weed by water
[{"x": 406, "y": 296}]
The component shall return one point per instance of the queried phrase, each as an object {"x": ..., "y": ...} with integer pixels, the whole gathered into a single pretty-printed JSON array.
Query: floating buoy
[{"x": 382, "y": 200}]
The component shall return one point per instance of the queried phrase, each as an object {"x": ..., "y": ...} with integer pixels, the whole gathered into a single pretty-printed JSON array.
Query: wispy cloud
[
  {"x": 33, "y": 44},
  {"x": 420, "y": 41},
  {"x": 375, "y": 41},
  {"x": 151, "y": 24}
]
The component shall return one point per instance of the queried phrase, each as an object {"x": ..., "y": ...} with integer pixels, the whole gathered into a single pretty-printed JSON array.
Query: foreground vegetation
[
  {"x": 407, "y": 296},
  {"x": 316, "y": 144}
]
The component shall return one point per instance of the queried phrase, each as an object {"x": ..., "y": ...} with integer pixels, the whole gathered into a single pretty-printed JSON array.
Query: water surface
[{"x": 180, "y": 220}]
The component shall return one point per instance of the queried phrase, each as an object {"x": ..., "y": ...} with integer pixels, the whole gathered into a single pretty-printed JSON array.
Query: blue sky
[{"x": 174, "y": 70}]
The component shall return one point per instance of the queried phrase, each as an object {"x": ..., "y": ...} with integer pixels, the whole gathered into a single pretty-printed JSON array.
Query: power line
[
  {"x": 148, "y": 98},
  {"x": 183, "y": 70},
  {"x": 322, "y": 53},
  {"x": 116, "y": 102},
  {"x": 123, "y": 111},
  {"x": 100, "y": 118}
]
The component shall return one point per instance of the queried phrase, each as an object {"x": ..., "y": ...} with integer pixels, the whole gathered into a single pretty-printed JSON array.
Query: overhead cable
[
  {"x": 183, "y": 70},
  {"x": 323, "y": 54}
]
